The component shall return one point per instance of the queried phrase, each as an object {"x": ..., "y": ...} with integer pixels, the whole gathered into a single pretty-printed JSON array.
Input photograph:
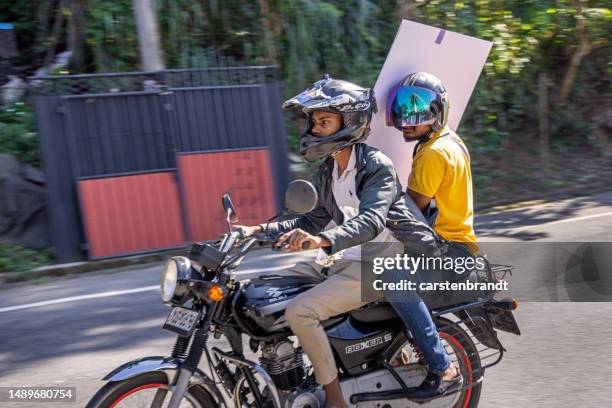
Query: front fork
[{"x": 191, "y": 356}]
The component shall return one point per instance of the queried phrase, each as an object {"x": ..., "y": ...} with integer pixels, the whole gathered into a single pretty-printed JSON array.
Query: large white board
[{"x": 455, "y": 58}]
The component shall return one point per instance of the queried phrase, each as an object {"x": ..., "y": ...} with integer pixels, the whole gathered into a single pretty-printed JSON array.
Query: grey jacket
[{"x": 382, "y": 204}]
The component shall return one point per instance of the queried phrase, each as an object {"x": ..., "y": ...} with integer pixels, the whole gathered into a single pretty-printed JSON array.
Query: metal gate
[{"x": 113, "y": 125}]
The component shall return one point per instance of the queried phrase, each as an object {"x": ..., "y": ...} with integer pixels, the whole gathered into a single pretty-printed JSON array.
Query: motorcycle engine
[{"x": 284, "y": 363}]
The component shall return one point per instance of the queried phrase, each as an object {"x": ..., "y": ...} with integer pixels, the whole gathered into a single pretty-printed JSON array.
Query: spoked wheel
[
  {"x": 463, "y": 354},
  {"x": 149, "y": 390}
]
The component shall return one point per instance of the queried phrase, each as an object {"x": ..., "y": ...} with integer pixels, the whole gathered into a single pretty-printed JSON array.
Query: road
[{"x": 73, "y": 331}]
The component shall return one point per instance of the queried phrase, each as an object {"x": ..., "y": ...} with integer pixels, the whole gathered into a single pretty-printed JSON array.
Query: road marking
[
  {"x": 75, "y": 298},
  {"x": 119, "y": 292},
  {"x": 585, "y": 217}
]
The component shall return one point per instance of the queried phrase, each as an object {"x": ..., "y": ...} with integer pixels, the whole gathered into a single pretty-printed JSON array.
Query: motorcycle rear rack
[
  {"x": 499, "y": 269},
  {"x": 491, "y": 355}
]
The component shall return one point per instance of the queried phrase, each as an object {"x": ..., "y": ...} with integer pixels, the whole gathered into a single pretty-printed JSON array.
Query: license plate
[{"x": 182, "y": 321}]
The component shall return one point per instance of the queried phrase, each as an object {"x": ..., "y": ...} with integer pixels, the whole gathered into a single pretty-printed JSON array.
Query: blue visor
[{"x": 412, "y": 107}]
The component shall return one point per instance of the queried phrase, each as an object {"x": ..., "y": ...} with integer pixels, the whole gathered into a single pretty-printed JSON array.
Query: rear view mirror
[
  {"x": 301, "y": 197},
  {"x": 230, "y": 212}
]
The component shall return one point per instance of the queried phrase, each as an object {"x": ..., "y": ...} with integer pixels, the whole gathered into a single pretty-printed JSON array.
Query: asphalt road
[{"x": 71, "y": 332}]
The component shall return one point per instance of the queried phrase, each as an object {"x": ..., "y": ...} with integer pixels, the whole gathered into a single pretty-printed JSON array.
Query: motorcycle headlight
[{"x": 173, "y": 283}]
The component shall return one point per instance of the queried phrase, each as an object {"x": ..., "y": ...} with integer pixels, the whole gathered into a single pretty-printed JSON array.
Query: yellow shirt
[{"x": 441, "y": 170}]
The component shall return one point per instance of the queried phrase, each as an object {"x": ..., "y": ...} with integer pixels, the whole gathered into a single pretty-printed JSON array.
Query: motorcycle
[{"x": 376, "y": 357}]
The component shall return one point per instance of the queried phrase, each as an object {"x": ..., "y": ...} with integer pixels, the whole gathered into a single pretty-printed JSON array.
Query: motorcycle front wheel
[{"x": 147, "y": 390}]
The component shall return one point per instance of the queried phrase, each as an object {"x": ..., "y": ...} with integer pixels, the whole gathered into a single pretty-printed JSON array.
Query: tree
[{"x": 148, "y": 36}]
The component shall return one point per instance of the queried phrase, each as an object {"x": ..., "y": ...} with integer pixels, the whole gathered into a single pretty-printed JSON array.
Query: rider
[
  {"x": 359, "y": 190},
  {"x": 441, "y": 177},
  {"x": 440, "y": 182}
]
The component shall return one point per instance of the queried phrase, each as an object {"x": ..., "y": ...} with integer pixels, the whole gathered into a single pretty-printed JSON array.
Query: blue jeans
[{"x": 415, "y": 315}]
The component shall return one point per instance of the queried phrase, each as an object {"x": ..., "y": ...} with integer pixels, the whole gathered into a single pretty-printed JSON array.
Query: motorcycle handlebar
[
  {"x": 263, "y": 238},
  {"x": 272, "y": 239}
]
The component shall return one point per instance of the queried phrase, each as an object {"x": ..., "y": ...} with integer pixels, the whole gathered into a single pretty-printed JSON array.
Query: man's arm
[
  {"x": 297, "y": 230},
  {"x": 312, "y": 222},
  {"x": 427, "y": 174},
  {"x": 422, "y": 201}
]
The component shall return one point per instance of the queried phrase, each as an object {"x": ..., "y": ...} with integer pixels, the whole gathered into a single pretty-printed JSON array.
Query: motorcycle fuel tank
[{"x": 260, "y": 305}]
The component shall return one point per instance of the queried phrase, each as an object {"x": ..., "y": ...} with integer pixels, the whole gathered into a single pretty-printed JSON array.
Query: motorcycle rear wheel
[
  {"x": 466, "y": 351},
  {"x": 143, "y": 389},
  {"x": 464, "y": 354}
]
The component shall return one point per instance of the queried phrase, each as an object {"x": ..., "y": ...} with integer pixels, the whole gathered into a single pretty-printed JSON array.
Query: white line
[
  {"x": 120, "y": 292},
  {"x": 75, "y": 298},
  {"x": 586, "y": 217}
]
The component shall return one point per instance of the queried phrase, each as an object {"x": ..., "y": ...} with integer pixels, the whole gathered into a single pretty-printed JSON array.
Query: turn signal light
[{"x": 215, "y": 293}]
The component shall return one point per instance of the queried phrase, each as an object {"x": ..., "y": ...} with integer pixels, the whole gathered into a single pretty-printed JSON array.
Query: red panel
[
  {"x": 205, "y": 177},
  {"x": 127, "y": 214}
]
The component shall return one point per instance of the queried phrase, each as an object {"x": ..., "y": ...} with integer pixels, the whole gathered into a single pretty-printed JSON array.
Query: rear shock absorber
[{"x": 418, "y": 353}]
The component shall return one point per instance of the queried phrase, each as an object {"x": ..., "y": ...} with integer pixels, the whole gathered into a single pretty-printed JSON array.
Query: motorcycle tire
[
  {"x": 461, "y": 345},
  {"x": 464, "y": 348},
  {"x": 112, "y": 394}
]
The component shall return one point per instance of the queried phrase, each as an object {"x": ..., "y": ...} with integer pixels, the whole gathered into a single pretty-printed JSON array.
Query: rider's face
[
  {"x": 325, "y": 123},
  {"x": 412, "y": 133}
]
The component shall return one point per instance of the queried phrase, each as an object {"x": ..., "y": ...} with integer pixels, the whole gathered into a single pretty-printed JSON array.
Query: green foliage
[
  {"x": 529, "y": 38},
  {"x": 340, "y": 38},
  {"x": 111, "y": 35},
  {"x": 350, "y": 39},
  {"x": 15, "y": 258},
  {"x": 17, "y": 135}
]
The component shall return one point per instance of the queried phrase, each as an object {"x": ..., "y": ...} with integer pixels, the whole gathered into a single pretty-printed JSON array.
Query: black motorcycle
[{"x": 374, "y": 352}]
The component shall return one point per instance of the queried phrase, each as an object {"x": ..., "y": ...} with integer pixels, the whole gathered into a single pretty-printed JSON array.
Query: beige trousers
[{"x": 338, "y": 294}]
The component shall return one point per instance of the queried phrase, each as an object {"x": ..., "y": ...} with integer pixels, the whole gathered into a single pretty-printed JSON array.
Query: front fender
[{"x": 169, "y": 366}]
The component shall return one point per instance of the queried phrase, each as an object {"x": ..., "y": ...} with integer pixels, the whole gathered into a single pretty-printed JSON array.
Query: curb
[{"x": 85, "y": 266}]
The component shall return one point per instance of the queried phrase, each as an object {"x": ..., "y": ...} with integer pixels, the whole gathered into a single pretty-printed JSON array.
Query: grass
[{"x": 16, "y": 258}]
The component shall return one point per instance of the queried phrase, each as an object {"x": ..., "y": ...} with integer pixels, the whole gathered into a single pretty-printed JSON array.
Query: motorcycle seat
[{"x": 375, "y": 312}]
